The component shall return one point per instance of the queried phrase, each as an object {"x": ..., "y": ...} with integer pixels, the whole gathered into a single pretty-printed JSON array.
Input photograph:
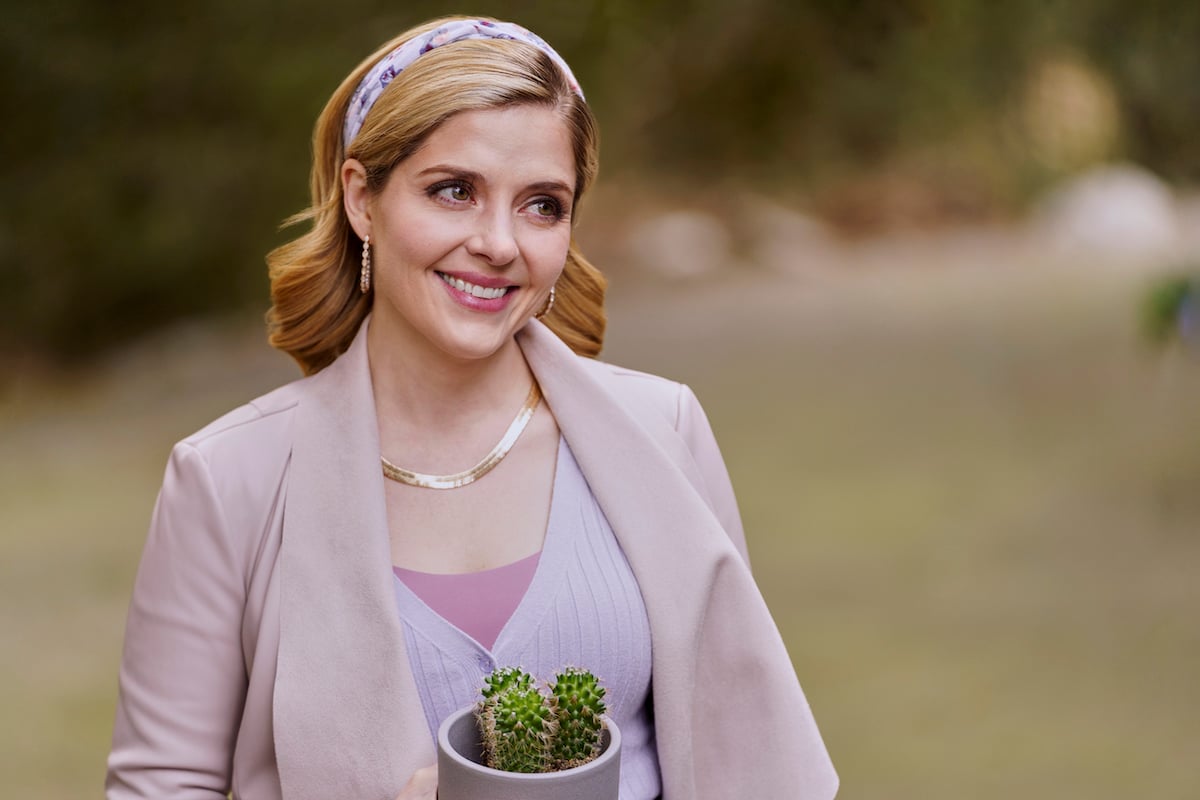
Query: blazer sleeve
[
  {"x": 183, "y": 675},
  {"x": 692, "y": 424}
]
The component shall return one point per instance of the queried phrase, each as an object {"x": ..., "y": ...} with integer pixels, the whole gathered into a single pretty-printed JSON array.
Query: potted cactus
[{"x": 523, "y": 742}]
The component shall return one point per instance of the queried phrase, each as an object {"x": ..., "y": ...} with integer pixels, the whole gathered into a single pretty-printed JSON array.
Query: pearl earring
[{"x": 546, "y": 308}]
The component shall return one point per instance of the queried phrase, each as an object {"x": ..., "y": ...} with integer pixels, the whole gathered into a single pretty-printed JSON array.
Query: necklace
[{"x": 489, "y": 462}]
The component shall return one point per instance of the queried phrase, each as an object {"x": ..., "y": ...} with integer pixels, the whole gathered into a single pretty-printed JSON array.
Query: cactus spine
[
  {"x": 578, "y": 701},
  {"x": 517, "y": 728},
  {"x": 504, "y": 677},
  {"x": 526, "y": 730}
]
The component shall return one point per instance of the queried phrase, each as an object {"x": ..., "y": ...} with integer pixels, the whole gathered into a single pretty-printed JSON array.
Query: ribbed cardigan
[{"x": 583, "y": 608}]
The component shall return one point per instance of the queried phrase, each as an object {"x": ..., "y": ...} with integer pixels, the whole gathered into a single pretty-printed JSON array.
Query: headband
[{"x": 388, "y": 67}]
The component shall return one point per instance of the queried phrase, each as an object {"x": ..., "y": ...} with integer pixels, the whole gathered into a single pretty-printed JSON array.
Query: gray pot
[{"x": 461, "y": 776}]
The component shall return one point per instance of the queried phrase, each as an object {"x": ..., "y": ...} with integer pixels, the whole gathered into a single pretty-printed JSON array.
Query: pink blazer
[{"x": 263, "y": 653}]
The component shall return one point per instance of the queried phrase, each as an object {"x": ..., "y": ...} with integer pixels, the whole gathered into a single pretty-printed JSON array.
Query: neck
[{"x": 420, "y": 388}]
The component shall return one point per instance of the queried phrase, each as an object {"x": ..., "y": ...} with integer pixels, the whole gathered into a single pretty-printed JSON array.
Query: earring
[
  {"x": 364, "y": 275},
  {"x": 546, "y": 308}
]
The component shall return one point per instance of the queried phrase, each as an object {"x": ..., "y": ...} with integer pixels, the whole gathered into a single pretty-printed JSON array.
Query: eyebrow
[{"x": 475, "y": 177}]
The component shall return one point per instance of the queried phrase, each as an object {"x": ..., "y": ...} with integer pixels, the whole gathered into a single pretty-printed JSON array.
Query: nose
[{"x": 494, "y": 240}]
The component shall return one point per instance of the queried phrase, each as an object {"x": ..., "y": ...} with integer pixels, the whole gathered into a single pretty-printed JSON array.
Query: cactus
[
  {"x": 517, "y": 726},
  {"x": 504, "y": 677},
  {"x": 524, "y": 730},
  {"x": 578, "y": 701}
]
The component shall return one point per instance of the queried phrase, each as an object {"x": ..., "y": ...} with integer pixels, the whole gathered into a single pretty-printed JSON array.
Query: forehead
[{"x": 523, "y": 142}]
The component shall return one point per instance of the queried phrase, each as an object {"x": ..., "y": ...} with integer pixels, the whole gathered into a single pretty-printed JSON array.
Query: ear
[{"x": 355, "y": 197}]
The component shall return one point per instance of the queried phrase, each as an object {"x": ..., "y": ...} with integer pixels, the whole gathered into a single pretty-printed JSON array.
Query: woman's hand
[{"x": 421, "y": 786}]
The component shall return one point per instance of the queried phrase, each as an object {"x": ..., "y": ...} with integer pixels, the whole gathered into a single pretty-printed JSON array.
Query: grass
[
  {"x": 973, "y": 503},
  {"x": 972, "y": 498}
]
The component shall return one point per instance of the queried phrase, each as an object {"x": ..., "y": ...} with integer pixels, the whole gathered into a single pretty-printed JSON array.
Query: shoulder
[
  {"x": 653, "y": 399},
  {"x": 657, "y": 403},
  {"x": 642, "y": 393},
  {"x": 261, "y": 423},
  {"x": 239, "y": 461}
]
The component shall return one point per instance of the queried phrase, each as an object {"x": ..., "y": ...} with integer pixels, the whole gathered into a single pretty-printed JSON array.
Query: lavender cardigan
[{"x": 582, "y": 608}]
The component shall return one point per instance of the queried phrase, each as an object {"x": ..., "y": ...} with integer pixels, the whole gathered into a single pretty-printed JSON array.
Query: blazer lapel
[
  {"x": 348, "y": 721},
  {"x": 658, "y": 518}
]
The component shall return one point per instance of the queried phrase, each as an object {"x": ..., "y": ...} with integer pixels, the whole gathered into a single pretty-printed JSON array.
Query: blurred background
[{"x": 931, "y": 265}]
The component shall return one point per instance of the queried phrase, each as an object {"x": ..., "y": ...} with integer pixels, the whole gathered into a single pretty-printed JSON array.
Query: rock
[
  {"x": 1115, "y": 213},
  {"x": 788, "y": 241},
  {"x": 681, "y": 244}
]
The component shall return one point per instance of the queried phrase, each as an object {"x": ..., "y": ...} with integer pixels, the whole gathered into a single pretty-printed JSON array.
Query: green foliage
[
  {"x": 152, "y": 149},
  {"x": 1170, "y": 306},
  {"x": 526, "y": 730}
]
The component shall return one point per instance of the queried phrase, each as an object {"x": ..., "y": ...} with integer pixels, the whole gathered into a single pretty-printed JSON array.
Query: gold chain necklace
[{"x": 485, "y": 466}]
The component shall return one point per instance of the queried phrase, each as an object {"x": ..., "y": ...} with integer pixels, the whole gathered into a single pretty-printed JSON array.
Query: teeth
[{"x": 481, "y": 292}]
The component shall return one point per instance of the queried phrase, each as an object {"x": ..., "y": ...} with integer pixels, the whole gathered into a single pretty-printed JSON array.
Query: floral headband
[{"x": 388, "y": 67}]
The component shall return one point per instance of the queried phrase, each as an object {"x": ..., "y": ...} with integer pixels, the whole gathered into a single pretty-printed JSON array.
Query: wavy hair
[{"x": 316, "y": 304}]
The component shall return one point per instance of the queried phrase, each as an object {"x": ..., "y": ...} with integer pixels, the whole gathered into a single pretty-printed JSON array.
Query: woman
[{"x": 297, "y": 627}]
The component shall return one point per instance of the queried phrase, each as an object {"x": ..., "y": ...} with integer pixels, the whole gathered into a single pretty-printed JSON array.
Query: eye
[
  {"x": 547, "y": 208},
  {"x": 451, "y": 192}
]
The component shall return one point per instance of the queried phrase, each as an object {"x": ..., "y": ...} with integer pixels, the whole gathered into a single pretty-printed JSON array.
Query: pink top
[
  {"x": 477, "y": 603},
  {"x": 582, "y": 605}
]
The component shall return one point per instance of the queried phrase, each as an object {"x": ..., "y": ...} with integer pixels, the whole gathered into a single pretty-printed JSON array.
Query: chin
[{"x": 475, "y": 344}]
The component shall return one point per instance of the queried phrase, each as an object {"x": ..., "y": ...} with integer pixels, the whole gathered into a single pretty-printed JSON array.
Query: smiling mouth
[{"x": 482, "y": 292}]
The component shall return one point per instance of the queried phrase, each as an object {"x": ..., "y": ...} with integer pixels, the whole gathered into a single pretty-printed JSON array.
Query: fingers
[{"x": 421, "y": 786}]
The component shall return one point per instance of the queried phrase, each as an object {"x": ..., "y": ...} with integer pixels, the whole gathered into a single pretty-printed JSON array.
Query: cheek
[
  {"x": 417, "y": 246},
  {"x": 550, "y": 255}
]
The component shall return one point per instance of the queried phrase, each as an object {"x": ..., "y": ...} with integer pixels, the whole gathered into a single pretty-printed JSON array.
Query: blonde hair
[{"x": 316, "y": 303}]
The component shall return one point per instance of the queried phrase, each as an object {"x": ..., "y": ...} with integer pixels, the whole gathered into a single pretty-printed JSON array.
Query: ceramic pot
[{"x": 462, "y": 776}]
